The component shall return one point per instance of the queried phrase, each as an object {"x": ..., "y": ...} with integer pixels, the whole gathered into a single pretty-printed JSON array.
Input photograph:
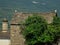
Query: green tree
[
  {"x": 56, "y": 24},
  {"x": 34, "y": 27},
  {"x": 37, "y": 31},
  {"x": 54, "y": 28}
]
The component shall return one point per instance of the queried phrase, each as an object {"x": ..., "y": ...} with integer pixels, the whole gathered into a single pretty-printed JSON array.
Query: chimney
[
  {"x": 5, "y": 25},
  {"x": 15, "y": 34}
]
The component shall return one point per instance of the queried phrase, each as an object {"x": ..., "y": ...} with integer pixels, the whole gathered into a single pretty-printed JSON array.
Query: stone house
[{"x": 14, "y": 35}]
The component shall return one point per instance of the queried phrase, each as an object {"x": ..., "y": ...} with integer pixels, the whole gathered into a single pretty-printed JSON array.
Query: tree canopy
[
  {"x": 38, "y": 30},
  {"x": 56, "y": 24}
]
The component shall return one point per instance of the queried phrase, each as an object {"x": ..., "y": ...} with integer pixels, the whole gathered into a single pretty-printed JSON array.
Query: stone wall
[
  {"x": 16, "y": 36},
  {"x": 18, "y": 18}
]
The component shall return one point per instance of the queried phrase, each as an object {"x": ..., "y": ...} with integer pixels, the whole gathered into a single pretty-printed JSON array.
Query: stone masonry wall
[{"x": 16, "y": 37}]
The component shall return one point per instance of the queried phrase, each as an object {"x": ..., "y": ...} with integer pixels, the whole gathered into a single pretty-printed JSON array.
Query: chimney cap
[
  {"x": 5, "y": 20},
  {"x": 14, "y": 23}
]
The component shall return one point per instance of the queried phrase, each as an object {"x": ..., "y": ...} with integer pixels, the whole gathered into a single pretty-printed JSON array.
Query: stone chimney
[
  {"x": 5, "y": 25},
  {"x": 16, "y": 37}
]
